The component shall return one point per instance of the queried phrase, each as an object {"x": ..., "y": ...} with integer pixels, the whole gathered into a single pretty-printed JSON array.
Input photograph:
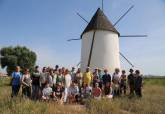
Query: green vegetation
[
  {"x": 153, "y": 102},
  {"x": 156, "y": 81},
  {"x": 13, "y": 56}
]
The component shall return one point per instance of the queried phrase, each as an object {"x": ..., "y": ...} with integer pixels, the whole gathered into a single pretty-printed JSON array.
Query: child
[{"x": 46, "y": 92}]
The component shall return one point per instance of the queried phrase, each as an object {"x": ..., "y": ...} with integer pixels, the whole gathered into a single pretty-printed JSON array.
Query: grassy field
[{"x": 153, "y": 102}]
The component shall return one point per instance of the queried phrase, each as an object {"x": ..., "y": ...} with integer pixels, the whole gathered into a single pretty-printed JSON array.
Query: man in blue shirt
[{"x": 16, "y": 81}]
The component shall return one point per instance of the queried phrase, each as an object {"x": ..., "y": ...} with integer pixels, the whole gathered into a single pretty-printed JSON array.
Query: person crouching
[
  {"x": 46, "y": 92},
  {"x": 96, "y": 92},
  {"x": 58, "y": 93},
  {"x": 73, "y": 93}
]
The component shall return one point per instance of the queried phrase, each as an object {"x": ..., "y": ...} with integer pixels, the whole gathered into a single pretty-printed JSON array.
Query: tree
[{"x": 17, "y": 56}]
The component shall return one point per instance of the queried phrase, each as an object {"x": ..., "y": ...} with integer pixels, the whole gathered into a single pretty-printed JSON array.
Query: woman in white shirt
[{"x": 67, "y": 83}]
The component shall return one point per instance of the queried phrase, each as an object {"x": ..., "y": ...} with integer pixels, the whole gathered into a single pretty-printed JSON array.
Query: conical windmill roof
[{"x": 100, "y": 22}]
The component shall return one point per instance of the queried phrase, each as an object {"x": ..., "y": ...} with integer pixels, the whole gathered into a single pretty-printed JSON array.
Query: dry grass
[{"x": 153, "y": 102}]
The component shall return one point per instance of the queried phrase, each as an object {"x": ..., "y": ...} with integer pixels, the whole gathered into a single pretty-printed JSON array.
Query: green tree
[{"x": 17, "y": 56}]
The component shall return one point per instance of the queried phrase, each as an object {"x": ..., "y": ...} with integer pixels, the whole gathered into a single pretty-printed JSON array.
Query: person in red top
[{"x": 96, "y": 92}]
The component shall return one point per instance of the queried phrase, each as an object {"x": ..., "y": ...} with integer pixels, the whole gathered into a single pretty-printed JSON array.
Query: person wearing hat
[
  {"x": 87, "y": 77},
  {"x": 131, "y": 81},
  {"x": 138, "y": 83}
]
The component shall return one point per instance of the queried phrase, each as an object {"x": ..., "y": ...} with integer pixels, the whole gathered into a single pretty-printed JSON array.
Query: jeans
[
  {"x": 15, "y": 90},
  {"x": 35, "y": 92}
]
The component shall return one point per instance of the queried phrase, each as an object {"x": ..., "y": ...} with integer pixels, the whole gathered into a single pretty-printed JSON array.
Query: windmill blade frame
[
  {"x": 82, "y": 17},
  {"x": 73, "y": 39},
  {"x": 123, "y": 15},
  {"x": 126, "y": 59},
  {"x": 133, "y": 36},
  {"x": 102, "y": 5}
]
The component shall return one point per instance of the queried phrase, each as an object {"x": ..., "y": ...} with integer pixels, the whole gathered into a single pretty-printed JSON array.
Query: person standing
[
  {"x": 56, "y": 68},
  {"x": 26, "y": 84},
  {"x": 43, "y": 77},
  {"x": 95, "y": 77},
  {"x": 116, "y": 82},
  {"x": 78, "y": 78},
  {"x": 106, "y": 77},
  {"x": 16, "y": 81},
  {"x": 123, "y": 80},
  {"x": 35, "y": 83},
  {"x": 60, "y": 77},
  {"x": 67, "y": 83},
  {"x": 87, "y": 77},
  {"x": 138, "y": 83},
  {"x": 100, "y": 78},
  {"x": 73, "y": 74},
  {"x": 131, "y": 82},
  {"x": 49, "y": 78}
]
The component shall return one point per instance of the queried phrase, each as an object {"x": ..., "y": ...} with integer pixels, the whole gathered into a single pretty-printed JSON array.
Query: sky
[{"x": 45, "y": 25}]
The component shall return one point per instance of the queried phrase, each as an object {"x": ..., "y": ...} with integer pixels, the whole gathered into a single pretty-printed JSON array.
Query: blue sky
[{"x": 45, "y": 25}]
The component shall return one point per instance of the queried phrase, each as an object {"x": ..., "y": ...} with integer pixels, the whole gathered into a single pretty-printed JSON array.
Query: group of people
[{"x": 73, "y": 86}]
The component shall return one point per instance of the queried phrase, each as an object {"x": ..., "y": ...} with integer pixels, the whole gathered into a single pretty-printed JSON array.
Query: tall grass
[{"x": 152, "y": 102}]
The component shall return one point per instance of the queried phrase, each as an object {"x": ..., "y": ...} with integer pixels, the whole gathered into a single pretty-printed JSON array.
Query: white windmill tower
[{"x": 100, "y": 42}]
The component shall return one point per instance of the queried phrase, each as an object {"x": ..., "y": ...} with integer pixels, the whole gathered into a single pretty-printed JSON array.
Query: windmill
[{"x": 100, "y": 42}]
